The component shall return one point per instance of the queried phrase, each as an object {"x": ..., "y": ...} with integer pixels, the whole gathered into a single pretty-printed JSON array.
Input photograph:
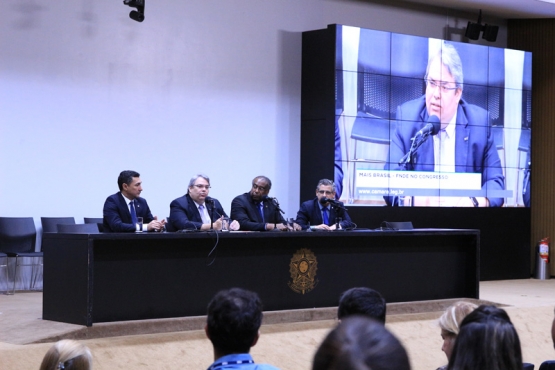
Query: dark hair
[
  {"x": 265, "y": 179},
  {"x": 234, "y": 317},
  {"x": 126, "y": 177},
  {"x": 487, "y": 341},
  {"x": 360, "y": 343},
  {"x": 363, "y": 301}
]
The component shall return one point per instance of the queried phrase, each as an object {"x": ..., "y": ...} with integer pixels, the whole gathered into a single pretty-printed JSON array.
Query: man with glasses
[
  {"x": 255, "y": 211},
  {"x": 320, "y": 214},
  {"x": 465, "y": 141},
  {"x": 196, "y": 210}
]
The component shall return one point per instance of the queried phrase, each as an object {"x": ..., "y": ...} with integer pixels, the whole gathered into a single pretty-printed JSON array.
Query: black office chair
[
  {"x": 548, "y": 365},
  {"x": 78, "y": 228},
  {"x": 527, "y": 366},
  {"x": 4, "y": 257},
  {"x": 93, "y": 220},
  {"x": 50, "y": 224},
  {"x": 18, "y": 239}
]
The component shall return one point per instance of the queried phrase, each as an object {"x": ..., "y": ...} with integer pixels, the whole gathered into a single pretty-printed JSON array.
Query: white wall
[{"x": 200, "y": 86}]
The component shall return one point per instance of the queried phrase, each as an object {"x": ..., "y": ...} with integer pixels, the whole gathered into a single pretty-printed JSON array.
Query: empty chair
[
  {"x": 50, "y": 224},
  {"x": 18, "y": 239},
  {"x": 78, "y": 228},
  {"x": 93, "y": 220},
  {"x": 527, "y": 366},
  {"x": 548, "y": 365}
]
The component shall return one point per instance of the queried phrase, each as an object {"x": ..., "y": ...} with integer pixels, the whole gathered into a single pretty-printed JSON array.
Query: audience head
[
  {"x": 360, "y": 343},
  {"x": 362, "y": 301},
  {"x": 234, "y": 317},
  {"x": 487, "y": 341},
  {"x": 450, "y": 323},
  {"x": 67, "y": 355}
]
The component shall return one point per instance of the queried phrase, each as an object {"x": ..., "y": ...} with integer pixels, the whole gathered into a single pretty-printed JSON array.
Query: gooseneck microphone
[{"x": 431, "y": 128}]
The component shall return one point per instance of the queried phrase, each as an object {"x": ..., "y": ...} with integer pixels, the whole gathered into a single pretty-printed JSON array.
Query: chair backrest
[
  {"x": 17, "y": 234},
  {"x": 93, "y": 220},
  {"x": 405, "y": 225},
  {"x": 78, "y": 228},
  {"x": 50, "y": 224},
  {"x": 548, "y": 365},
  {"x": 527, "y": 366}
]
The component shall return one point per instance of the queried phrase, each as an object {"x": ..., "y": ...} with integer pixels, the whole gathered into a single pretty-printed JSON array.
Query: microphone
[
  {"x": 265, "y": 197},
  {"x": 209, "y": 200},
  {"x": 328, "y": 200},
  {"x": 432, "y": 127}
]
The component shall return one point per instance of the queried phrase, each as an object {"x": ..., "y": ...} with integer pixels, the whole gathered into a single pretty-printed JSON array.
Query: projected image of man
[{"x": 463, "y": 144}]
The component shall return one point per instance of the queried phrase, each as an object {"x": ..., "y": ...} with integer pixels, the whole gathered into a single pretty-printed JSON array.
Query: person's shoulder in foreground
[{"x": 232, "y": 325}]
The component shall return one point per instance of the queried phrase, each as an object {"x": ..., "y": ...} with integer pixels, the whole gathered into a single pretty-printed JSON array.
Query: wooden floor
[{"x": 288, "y": 339}]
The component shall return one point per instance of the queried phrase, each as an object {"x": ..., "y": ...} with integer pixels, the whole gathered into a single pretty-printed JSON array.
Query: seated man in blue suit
[
  {"x": 324, "y": 212},
  {"x": 196, "y": 210},
  {"x": 118, "y": 207},
  {"x": 465, "y": 141},
  {"x": 255, "y": 211}
]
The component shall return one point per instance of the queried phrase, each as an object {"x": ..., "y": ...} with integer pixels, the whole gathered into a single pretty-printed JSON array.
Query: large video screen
[{"x": 428, "y": 122}]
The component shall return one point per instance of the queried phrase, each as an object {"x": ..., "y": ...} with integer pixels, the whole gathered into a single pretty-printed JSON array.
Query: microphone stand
[
  {"x": 340, "y": 211},
  {"x": 211, "y": 213},
  {"x": 406, "y": 163},
  {"x": 277, "y": 211}
]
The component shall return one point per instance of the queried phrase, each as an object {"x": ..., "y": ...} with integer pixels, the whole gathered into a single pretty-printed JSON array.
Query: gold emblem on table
[{"x": 303, "y": 268}]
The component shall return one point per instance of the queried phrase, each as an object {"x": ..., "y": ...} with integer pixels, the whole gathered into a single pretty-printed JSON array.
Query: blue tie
[
  {"x": 133, "y": 214},
  {"x": 261, "y": 209},
  {"x": 325, "y": 215}
]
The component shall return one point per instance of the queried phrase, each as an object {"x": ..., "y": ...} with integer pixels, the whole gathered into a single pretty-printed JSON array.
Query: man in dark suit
[
  {"x": 319, "y": 214},
  {"x": 118, "y": 207},
  {"x": 465, "y": 141},
  {"x": 196, "y": 210},
  {"x": 255, "y": 211}
]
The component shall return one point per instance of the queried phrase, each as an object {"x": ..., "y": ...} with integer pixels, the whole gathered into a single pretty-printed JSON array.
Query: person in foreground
[
  {"x": 360, "y": 343},
  {"x": 324, "y": 212},
  {"x": 254, "y": 210},
  {"x": 232, "y": 325},
  {"x": 196, "y": 210},
  {"x": 487, "y": 341},
  {"x": 553, "y": 332},
  {"x": 122, "y": 208},
  {"x": 465, "y": 141},
  {"x": 67, "y": 355},
  {"x": 362, "y": 301},
  {"x": 450, "y": 323}
]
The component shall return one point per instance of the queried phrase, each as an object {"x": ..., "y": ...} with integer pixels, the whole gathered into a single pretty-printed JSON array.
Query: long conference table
[{"x": 91, "y": 278}]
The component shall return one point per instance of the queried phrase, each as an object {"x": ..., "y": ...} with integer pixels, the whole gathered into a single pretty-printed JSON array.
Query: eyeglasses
[
  {"x": 198, "y": 186},
  {"x": 432, "y": 84},
  {"x": 256, "y": 187},
  {"x": 327, "y": 192}
]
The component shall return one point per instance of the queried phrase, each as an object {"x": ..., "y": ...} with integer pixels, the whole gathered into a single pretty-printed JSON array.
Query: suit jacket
[
  {"x": 475, "y": 150},
  {"x": 310, "y": 214},
  {"x": 246, "y": 212},
  {"x": 117, "y": 217},
  {"x": 184, "y": 213}
]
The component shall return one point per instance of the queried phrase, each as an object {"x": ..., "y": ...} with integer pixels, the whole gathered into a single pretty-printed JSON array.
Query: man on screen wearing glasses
[
  {"x": 324, "y": 212},
  {"x": 464, "y": 142}
]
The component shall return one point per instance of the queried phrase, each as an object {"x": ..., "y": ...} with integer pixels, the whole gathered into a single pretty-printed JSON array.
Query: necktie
[
  {"x": 202, "y": 215},
  {"x": 325, "y": 215},
  {"x": 133, "y": 213},
  {"x": 261, "y": 209}
]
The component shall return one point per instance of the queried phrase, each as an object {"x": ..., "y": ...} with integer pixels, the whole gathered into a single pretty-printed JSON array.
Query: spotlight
[
  {"x": 473, "y": 30},
  {"x": 139, "y": 14}
]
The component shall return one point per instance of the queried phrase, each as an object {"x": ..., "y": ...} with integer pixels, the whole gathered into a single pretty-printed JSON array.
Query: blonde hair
[
  {"x": 68, "y": 355},
  {"x": 453, "y": 316}
]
